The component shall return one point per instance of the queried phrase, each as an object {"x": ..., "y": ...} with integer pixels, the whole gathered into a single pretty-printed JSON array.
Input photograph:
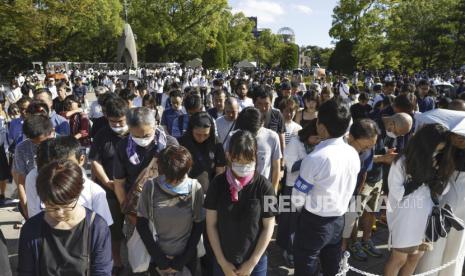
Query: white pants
[{"x": 449, "y": 248}]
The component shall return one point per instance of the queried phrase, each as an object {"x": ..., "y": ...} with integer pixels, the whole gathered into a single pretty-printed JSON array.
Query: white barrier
[{"x": 344, "y": 267}]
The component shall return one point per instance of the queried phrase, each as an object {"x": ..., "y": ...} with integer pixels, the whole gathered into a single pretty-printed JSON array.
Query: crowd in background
[{"x": 186, "y": 160}]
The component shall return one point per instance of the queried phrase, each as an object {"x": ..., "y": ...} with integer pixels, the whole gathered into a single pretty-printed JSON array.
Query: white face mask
[
  {"x": 243, "y": 170},
  {"x": 120, "y": 130},
  {"x": 143, "y": 142},
  {"x": 391, "y": 134}
]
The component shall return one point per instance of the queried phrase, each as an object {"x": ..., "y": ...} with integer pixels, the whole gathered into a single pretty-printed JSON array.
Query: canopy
[
  {"x": 245, "y": 64},
  {"x": 127, "y": 78},
  {"x": 196, "y": 62},
  {"x": 453, "y": 120},
  {"x": 57, "y": 76}
]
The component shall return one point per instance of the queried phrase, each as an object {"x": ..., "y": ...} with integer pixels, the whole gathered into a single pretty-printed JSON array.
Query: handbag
[
  {"x": 129, "y": 205},
  {"x": 138, "y": 256},
  {"x": 441, "y": 220}
]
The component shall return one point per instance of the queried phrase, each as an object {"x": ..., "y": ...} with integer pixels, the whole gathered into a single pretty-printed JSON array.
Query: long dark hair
[
  {"x": 201, "y": 120},
  {"x": 419, "y": 155}
]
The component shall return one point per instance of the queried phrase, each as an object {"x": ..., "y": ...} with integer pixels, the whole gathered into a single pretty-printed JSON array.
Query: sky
[{"x": 310, "y": 19}]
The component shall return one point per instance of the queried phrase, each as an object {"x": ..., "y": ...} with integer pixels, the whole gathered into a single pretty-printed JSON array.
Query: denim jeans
[{"x": 259, "y": 270}]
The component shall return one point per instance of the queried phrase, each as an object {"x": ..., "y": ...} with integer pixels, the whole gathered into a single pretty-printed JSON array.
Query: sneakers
[
  {"x": 356, "y": 251},
  {"x": 289, "y": 259},
  {"x": 370, "y": 248},
  {"x": 2, "y": 200}
]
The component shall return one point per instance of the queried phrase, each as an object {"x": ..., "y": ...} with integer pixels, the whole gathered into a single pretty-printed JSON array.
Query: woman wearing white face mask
[
  {"x": 134, "y": 153},
  {"x": 241, "y": 206}
]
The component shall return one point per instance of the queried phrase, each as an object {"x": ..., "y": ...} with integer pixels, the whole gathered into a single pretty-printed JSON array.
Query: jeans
[
  {"x": 259, "y": 270},
  {"x": 317, "y": 238}
]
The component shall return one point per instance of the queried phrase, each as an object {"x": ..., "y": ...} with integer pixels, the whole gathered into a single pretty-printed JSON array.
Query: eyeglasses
[{"x": 56, "y": 209}]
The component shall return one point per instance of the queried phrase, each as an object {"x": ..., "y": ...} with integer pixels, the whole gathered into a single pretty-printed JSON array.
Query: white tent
[
  {"x": 453, "y": 120},
  {"x": 196, "y": 62},
  {"x": 245, "y": 64}
]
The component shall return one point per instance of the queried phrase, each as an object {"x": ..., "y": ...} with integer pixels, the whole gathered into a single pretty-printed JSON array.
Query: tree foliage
[
  {"x": 290, "y": 56},
  {"x": 49, "y": 29},
  {"x": 409, "y": 34}
]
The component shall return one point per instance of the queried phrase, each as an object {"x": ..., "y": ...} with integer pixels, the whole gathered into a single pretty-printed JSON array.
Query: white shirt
[
  {"x": 224, "y": 127},
  {"x": 14, "y": 95},
  {"x": 327, "y": 178},
  {"x": 292, "y": 128},
  {"x": 344, "y": 91},
  {"x": 92, "y": 197},
  {"x": 405, "y": 212},
  {"x": 293, "y": 152},
  {"x": 95, "y": 110},
  {"x": 244, "y": 103},
  {"x": 53, "y": 90},
  {"x": 268, "y": 150},
  {"x": 137, "y": 102}
]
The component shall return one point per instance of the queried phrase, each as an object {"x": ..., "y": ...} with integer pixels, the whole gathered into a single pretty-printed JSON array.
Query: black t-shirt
[
  {"x": 275, "y": 121},
  {"x": 359, "y": 111},
  {"x": 97, "y": 124},
  {"x": 123, "y": 168},
  {"x": 460, "y": 160},
  {"x": 205, "y": 160},
  {"x": 58, "y": 105},
  {"x": 102, "y": 150},
  {"x": 64, "y": 251},
  {"x": 240, "y": 223}
]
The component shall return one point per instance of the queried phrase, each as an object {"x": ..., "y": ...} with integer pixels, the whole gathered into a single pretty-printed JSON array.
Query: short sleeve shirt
[
  {"x": 168, "y": 117},
  {"x": 275, "y": 122},
  {"x": 173, "y": 214},
  {"x": 240, "y": 223},
  {"x": 103, "y": 151},
  {"x": 268, "y": 150},
  {"x": 24, "y": 160},
  {"x": 206, "y": 160},
  {"x": 124, "y": 169}
]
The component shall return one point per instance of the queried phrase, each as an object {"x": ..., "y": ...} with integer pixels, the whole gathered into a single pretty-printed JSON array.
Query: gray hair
[
  {"x": 230, "y": 101},
  {"x": 139, "y": 116}
]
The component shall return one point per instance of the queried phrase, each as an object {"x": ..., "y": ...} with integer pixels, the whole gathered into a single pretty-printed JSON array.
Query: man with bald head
[
  {"x": 225, "y": 124},
  {"x": 398, "y": 124}
]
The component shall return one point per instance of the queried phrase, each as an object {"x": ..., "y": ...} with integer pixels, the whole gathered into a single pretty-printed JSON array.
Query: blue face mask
[{"x": 183, "y": 188}]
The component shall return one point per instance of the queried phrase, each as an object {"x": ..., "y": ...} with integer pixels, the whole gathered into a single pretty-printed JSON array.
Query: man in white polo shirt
[{"x": 324, "y": 187}]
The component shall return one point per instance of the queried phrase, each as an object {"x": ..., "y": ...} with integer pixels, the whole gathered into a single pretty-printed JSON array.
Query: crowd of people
[{"x": 197, "y": 166}]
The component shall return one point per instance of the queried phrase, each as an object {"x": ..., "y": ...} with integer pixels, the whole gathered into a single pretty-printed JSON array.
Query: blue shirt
[
  {"x": 366, "y": 164},
  {"x": 178, "y": 130},
  {"x": 80, "y": 91},
  {"x": 425, "y": 104},
  {"x": 60, "y": 124},
  {"x": 15, "y": 131},
  {"x": 168, "y": 117},
  {"x": 33, "y": 233}
]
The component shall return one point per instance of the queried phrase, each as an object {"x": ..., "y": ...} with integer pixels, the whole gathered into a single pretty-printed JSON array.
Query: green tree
[
  {"x": 341, "y": 59},
  {"x": 238, "y": 37},
  {"x": 290, "y": 56},
  {"x": 180, "y": 30},
  {"x": 319, "y": 55},
  {"x": 49, "y": 29},
  {"x": 213, "y": 56},
  {"x": 267, "y": 48}
]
